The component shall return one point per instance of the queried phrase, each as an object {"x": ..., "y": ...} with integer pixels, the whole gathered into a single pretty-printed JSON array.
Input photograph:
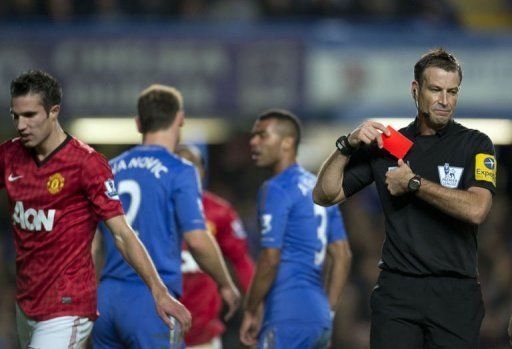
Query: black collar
[
  {"x": 49, "y": 156},
  {"x": 413, "y": 128}
]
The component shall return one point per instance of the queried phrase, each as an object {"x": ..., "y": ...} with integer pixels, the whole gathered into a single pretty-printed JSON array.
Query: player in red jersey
[
  {"x": 200, "y": 294},
  {"x": 59, "y": 189}
]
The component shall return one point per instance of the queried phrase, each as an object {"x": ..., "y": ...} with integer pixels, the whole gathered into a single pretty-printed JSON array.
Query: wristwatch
[
  {"x": 344, "y": 146},
  {"x": 414, "y": 184}
]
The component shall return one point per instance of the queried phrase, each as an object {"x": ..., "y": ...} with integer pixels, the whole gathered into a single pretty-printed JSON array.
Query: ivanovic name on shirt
[{"x": 149, "y": 163}]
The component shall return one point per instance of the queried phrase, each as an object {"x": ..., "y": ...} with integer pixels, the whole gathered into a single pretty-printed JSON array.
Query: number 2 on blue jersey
[{"x": 131, "y": 188}]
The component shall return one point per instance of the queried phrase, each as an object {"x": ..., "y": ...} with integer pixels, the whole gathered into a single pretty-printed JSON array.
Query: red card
[{"x": 396, "y": 143}]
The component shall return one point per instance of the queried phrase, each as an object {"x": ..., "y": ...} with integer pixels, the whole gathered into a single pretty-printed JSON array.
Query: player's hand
[
  {"x": 231, "y": 296},
  {"x": 367, "y": 133},
  {"x": 397, "y": 179},
  {"x": 167, "y": 306},
  {"x": 250, "y": 328}
]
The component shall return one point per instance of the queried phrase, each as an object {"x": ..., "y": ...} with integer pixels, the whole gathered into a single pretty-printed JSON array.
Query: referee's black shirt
[{"x": 420, "y": 239}]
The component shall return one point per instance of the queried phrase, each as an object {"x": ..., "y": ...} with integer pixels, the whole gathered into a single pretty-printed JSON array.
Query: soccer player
[
  {"x": 161, "y": 194},
  {"x": 296, "y": 234},
  {"x": 58, "y": 189},
  {"x": 200, "y": 294}
]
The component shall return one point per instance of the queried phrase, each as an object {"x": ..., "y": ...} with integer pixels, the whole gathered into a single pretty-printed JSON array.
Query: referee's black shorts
[{"x": 429, "y": 312}]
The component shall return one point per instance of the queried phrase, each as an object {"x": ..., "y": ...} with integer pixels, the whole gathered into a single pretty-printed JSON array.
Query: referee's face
[{"x": 438, "y": 95}]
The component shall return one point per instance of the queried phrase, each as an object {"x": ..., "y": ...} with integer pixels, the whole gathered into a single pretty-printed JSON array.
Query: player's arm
[
  {"x": 471, "y": 205},
  {"x": 134, "y": 252},
  {"x": 232, "y": 242},
  {"x": 274, "y": 205},
  {"x": 243, "y": 267},
  {"x": 274, "y": 210},
  {"x": 206, "y": 253},
  {"x": 339, "y": 261},
  {"x": 266, "y": 270},
  {"x": 328, "y": 189}
]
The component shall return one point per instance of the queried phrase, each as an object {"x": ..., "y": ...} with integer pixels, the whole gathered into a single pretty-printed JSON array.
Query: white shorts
[
  {"x": 215, "y": 343},
  {"x": 64, "y": 332}
]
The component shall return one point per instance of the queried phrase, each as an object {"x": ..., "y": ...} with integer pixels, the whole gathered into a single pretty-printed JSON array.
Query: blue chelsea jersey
[
  {"x": 293, "y": 223},
  {"x": 160, "y": 193}
]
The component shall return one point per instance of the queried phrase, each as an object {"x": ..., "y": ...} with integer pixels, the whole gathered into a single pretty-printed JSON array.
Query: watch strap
[{"x": 344, "y": 146}]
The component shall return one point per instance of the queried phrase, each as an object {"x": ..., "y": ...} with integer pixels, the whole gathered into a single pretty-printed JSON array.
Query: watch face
[{"x": 414, "y": 184}]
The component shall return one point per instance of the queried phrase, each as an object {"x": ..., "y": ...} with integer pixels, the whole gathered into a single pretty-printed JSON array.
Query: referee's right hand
[{"x": 368, "y": 132}]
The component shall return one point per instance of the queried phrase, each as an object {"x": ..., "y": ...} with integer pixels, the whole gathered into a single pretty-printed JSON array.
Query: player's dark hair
[
  {"x": 38, "y": 82},
  {"x": 289, "y": 122},
  {"x": 437, "y": 58},
  {"x": 158, "y": 106}
]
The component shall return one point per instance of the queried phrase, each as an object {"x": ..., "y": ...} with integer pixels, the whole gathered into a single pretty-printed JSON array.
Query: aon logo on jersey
[{"x": 31, "y": 219}]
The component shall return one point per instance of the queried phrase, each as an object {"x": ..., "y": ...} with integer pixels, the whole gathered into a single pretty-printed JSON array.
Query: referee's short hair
[{"x": 438, "y": 58}]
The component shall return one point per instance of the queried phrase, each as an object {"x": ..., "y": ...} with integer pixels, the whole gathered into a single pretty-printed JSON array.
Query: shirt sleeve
[
  {"x": 483, "y": 165},
  {"x": 336, "y": 228},
  {"x": 358, "y": 172},
  {"x": 99, "y": 186},
  {"x": 231, "y": 238},
  {"x": 273, "y": 211},
  {"x": 187, "y": 201}
]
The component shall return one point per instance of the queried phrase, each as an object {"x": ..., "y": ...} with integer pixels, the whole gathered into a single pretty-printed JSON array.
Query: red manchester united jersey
[
  {"x": 200, "y": 294},
  {"x": 55, "y": 206}
]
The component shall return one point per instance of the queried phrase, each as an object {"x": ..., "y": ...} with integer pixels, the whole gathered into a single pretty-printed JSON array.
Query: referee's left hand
[{"x": 398, "y": 178}]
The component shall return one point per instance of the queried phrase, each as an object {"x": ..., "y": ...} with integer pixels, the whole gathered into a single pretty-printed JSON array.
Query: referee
[{"x": 427, "y": 294}]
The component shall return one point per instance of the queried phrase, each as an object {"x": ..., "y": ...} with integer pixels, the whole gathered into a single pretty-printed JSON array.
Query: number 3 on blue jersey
[{"x": 321, "y": 231}]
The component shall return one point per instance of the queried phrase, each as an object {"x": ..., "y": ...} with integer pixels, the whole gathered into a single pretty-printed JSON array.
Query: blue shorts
[
  {"x": 292, "y": 336},
  {"x": 128, "y": 319}
]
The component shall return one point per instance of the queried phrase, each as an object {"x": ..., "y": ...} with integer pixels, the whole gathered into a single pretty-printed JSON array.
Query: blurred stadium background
[{"x": 332, "y": 62}]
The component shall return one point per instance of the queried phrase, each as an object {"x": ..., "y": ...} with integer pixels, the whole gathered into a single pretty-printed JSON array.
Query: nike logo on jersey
[{"x": 12, "y": 178}]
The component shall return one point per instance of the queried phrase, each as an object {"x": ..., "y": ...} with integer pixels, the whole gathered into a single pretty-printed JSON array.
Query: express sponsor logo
[{"x": 485, "y": 168}]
